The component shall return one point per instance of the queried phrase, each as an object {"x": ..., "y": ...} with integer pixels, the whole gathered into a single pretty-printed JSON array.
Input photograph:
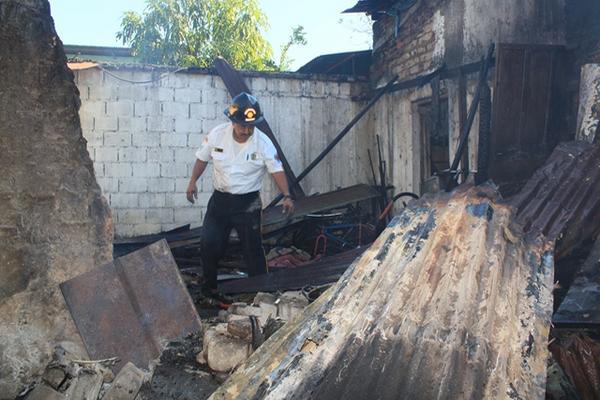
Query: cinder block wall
[{"x": 142, "y": 136}]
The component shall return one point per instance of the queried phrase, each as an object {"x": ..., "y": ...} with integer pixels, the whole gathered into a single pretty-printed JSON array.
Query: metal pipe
[{"x": 339, "y": 137}]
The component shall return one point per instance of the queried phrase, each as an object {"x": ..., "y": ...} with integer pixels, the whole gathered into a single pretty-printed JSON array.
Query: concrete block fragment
[
  {"x": 262, "y": 297},
  {"x": 224, "y": 353},
  {"x": 54, "y": 377},
  {"x": 126, "y": 384},
  {"x": 44, "y": 392},
  {"x": 138, "y": 124},
  {"x": 290, "y": 304},
  {"x": 86, "y": 386},
  {"x": 240, "y": 328}
]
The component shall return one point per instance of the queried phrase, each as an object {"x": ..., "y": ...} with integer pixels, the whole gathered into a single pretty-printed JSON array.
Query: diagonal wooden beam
[{"x": 235, "y": 85}]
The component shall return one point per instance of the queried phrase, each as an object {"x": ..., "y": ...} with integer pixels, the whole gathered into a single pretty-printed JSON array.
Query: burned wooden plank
[
  {"x": 447, "y": 303},
  {"x": 131, "y": 307}
]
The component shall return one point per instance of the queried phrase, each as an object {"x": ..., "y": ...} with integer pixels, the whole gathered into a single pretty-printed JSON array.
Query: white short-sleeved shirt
[{"x": 243, "y": 172}]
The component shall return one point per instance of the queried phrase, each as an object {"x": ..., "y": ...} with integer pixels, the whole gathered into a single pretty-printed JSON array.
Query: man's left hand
[{"x": 288, "y": 205}]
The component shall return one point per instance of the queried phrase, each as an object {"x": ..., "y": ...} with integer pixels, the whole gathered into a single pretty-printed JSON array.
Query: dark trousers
[{"x": 224, "y": 212}]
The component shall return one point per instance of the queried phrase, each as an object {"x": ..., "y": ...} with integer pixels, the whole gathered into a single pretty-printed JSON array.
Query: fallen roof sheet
[
  {"x": 325, "y": 271},
  {"x": 581, "y": 306},
  {"x": 579, "y": 357},
  {"x": 445, "y": 304},
  {"x": 132, "y": 307},
  {"x": 562, "y": 199}
]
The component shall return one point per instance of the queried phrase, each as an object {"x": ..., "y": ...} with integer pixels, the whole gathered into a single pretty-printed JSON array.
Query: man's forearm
[
  {"x": 281, "y": 182},
  {"x": 198, "y": 170}
]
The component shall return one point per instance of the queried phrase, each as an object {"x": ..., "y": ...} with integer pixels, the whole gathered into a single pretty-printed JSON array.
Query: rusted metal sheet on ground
[
  {"x": 526, "y": 109},
  {"x": 274, "y": 218},
  {"x": 235, "y": 85},
  {"x": 562, "y": 199},
  {"x": 325, "y": 271},
  {"x": 447, "y": 303},
  {"x": 132, "y": 307}
]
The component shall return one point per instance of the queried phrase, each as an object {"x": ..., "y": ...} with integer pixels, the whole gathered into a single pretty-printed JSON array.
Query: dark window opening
[{"x": 434, "y": 137}]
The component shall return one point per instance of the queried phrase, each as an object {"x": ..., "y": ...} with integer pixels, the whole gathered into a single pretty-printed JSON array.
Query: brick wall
[
  {"x": 142, "y": 137},
  {"x": 411, "y": 52}
]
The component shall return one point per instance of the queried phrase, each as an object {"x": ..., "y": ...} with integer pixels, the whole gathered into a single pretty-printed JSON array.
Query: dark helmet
[{"x": 245, "y": 110}]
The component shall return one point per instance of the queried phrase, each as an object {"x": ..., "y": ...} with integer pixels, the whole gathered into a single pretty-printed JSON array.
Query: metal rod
[
  {"x": 464, "y": 137},
  {"x": 339, "y": 137}
]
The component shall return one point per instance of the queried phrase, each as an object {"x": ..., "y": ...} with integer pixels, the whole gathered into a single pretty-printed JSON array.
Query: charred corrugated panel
[
  {"x": 438, "y": 307},
  {"x": 562, "y": 199}
]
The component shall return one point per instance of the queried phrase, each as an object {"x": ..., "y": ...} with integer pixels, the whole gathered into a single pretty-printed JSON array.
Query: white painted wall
[{"x": 142, "y": 137}]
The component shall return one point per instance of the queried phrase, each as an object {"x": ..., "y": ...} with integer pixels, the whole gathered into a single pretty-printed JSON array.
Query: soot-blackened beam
[{"x": 235, "y": 85}]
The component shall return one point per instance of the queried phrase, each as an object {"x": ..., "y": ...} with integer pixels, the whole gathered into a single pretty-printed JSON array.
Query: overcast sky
[{"x": 93, "y": 22}]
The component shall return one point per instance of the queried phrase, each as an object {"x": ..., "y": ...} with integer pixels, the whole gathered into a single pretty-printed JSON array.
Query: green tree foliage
[
  {"x": 298, "y": 37},
  {"x": 191, "y": 33}
]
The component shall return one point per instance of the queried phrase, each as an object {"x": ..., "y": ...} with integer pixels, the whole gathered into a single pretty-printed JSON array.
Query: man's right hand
[{"x": 191, "y": 192}]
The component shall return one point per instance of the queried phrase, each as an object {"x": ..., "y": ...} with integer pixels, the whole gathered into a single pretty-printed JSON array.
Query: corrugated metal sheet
[
  {"x": 447, "y": 303},
  {"x": 562, "y": 199}
]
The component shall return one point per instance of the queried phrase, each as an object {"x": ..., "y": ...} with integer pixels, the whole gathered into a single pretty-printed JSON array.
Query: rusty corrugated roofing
[
  {"x": 562, "y": 199},
  {"x": 447, "y": 303}
]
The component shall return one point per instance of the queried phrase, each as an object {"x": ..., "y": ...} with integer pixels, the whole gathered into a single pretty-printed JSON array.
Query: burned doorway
[{"x": 432, "y": 131}]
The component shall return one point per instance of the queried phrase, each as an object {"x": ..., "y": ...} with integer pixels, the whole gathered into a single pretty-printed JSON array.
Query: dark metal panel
[
  {"x": 132, "y": 307},
  {"x": 325, "y": 271},
  {"x": 273, "y": 216}
]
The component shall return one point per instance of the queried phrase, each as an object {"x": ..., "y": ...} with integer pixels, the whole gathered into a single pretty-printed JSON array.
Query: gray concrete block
[
  {"x": 118, "y": 170},
  {"x": 44, "y": 392},
  {"x": 132, "y": 185},
  {"x": 224, "y": 353},
  {"x": 173, "y": 140},
  {"x": 152, "y": 200},
  {"x": 117, "y": 139},
  {"x": 127, "y": 384},
  {"x": 174, "y": 170},
  {"x": 159, "y": 216},
  {"x": 148, "y": 170}
]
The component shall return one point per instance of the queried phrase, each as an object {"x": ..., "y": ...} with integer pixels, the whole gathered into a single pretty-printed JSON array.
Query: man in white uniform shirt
[{"x": 241, "y": 155}]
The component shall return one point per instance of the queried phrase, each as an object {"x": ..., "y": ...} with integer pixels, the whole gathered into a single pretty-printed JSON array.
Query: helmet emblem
[
  {"x": 250, "y": 114},
  {"x": 232, "y": 109}
]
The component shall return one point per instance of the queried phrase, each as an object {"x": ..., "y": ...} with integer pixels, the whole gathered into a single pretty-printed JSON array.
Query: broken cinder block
[
  {"x": 224, "y": 353},
  {"x": 126, "y": 384}
]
